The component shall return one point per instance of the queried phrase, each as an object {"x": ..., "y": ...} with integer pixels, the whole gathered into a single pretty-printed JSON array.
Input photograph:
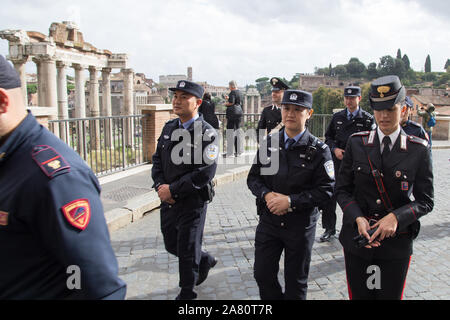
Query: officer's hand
[
  {"x": 269, "y": 196},
  {"x": 339, "y": 153},
  {"x": 279, "y": 204},
  {"x": 363, "y": 227},
  {"x": 171, "y": 201},
  {"x": 386, "y": 227},
  {"x": 164, "y": 193}
]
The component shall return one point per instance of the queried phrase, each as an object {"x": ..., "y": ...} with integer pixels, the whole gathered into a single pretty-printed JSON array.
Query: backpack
[{"x": 431, "y": 122}]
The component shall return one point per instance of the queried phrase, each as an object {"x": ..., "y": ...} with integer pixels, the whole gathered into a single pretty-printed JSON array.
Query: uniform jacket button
[
  {"x": 282, "y": 224},
  {"x": 378, "y": 201}
]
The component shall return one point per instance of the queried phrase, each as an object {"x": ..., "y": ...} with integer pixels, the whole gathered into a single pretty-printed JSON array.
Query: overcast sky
[{"x": 245, "y": 39}]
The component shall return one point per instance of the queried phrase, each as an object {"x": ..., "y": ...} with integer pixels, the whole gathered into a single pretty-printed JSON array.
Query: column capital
[
  {"x": 62, "y": 64},
  {"x": 106, "y": 70},
  {"x": 78, "y": 66},
  {"x": 127, "y": 70},
  {"x": 93, "y": 69},
  {"x": 44, "y": 58}
]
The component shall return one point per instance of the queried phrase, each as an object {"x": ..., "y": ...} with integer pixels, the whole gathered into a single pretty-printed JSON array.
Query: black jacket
[
  {"x": 270, "y": 118},
  {"x": 207, "y": 109},
  {"x": 301, "y": 173},
  {"x": 340, "y": 128},
  {"x": 409, "y": 171},
  {"x": 197, "y": 161}
]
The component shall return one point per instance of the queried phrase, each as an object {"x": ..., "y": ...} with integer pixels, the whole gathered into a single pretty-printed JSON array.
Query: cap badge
[
  {"x": 182, "y": 84},
  {"x": 382, "y": 90},
  {"x": 293, "y": 97},
  {"x": 349, "y": 91},
  {"x": 274, "y": 81}
]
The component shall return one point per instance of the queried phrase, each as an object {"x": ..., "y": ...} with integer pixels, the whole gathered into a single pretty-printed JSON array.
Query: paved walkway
[{"x": 151, "y": 273}]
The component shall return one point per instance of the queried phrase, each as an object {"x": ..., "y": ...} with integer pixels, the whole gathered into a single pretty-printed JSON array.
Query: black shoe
[
  {"x": 204, "y": 270},
  {"x": 327, "y": 235},
  {"x": 186, "y": 295}
]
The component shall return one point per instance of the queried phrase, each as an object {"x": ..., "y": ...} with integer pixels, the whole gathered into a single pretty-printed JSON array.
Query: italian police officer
[
  {"x": 410, "y": 127},
  {"x": 184, "y": 165},
  {"x": 343, "y": 124},
  {"x": 292, "y": 174},
  {"x": 54, "y": 241},
  {"x": 380, "y": 171},
  {"x": 271, "y": 115}
]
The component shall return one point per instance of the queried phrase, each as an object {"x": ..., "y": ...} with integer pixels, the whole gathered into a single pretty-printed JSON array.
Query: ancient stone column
[
  {"x": 63, "y": 108},
  {"x": 39, "y": 81},
  {"x": 245, "y": 104},
  {"x": 128, "y": 104},
  {"x": 47, "y": 82},
  {"x": 252, "y": 104},
  {"x": 80, "y": 109},
  {"x": 19, "y": 65},
  {"x": 106, "y": 106},
  {"x": 94, "y": 106},
  {"x": 259, "y": 105},
  {"x": 80, "y": 96}
]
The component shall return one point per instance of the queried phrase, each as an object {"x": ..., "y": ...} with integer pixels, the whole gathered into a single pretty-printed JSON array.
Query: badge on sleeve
[
  {"x": 212, "y": 151},
  {"x": 78, "y": 213},
  {"x": 329, "y": 168},
  {"x": 405, "y": 186}
]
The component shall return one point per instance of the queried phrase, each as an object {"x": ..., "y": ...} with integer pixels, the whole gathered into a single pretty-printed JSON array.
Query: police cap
[
  {"x": 352, "y": 91},
  {"x": 278, "y": 84},
  {"x": 385, "y": 92},
  {"x": 298, "y": 98},
  {"x": 189, "y": 87},
  {"x": 9, "y": 78}
]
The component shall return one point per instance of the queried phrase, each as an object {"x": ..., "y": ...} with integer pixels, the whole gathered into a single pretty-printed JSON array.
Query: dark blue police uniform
[
  {"x": 413, "y": 128},
  {"x": 341, "y": 127},
  {"x": 190, "y": 183},
  {"x": 51, "y": 218},
  {"x": 271, "y": 115},
  {"x": 306, "y": 174}
]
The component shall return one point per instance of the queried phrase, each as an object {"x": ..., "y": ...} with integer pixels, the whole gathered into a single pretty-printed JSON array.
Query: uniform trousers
[
  {"x": 361, "y": 278},
  {"x": 182, "y": 230},
  {"x": 297, "y": 242}
]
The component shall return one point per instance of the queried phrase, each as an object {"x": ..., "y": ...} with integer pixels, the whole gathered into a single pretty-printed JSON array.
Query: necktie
[
  {"x": 289, "y": 143},
  {"x": 386, "y": 150},
  {"x": 350, "y": 117}
]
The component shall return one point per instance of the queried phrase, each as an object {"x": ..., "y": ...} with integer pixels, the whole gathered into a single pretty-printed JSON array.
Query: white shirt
[{"x": 393, "y": 136}]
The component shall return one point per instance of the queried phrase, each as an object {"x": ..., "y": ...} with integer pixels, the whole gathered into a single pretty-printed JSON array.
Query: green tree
[
  {"x": 319, "y": 100},
  {"x": 447, "y": 65},
  {"x": 428, "y": 64},
  {"x": 372, "y": 70},
  {"x": 365, "y": 103},
  {"x": 355, "y": 68},
  {"x": 399, "y": 68},
  {"x": 263, "y": 85},
  {"x": 31, "y": 88},
  {"x": 340, "y": 70},
  {"x": 399, "y": 54},
  {"x": 386, "y": 66},
  {"x": 406, "y": 62}
]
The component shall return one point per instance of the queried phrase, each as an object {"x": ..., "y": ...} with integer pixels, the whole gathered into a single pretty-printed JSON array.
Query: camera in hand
[{"x": 362, "y": 241}]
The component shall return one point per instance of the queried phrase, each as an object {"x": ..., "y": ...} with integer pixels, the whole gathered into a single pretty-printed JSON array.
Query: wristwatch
[{"x": 290, "y": 204}]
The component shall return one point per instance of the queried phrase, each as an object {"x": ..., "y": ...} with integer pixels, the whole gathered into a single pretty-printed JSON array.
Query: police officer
[
  {"x": 54, "y": 241},
  {"x": 271, "y": 115},
  {"x": 184, "y": 165},
  {"x": 292, "y": 174},
  {"x": 381, "y": 169},
  {"x": 343, "y": 124},
  {"x": 411, "y": 127}
]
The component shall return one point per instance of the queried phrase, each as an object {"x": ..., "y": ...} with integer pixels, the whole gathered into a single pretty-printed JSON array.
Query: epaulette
[
  {"x": 321, "y": 144},
  {"x": 361, "y": 133},
  {"x": 50, "y": 161},
  {"x": 415, "y": 124},
  {"x": 418, "y": 140}
]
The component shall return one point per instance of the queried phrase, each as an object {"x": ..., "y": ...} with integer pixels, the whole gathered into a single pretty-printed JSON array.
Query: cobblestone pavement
[{"x": 151, "y": 273}]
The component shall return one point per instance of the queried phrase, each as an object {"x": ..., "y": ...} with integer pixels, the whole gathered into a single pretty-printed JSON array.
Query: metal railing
[
  {"x": 106, "y": 144},
  {"x": 112, "y": 144},
  {"x": 317, "y": 125}
]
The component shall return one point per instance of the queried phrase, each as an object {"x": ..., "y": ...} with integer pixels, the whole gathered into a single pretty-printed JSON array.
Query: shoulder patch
[
  {"x": 418, "y": 140},
  {"x": 415, "y": 124},
  {"x": 77, "y": 213},
  {"x": 50, "y": 161},
  {"x": 362, "y": 133}
]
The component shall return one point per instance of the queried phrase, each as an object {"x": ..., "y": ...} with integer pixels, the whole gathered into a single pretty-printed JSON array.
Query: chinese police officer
[
  {"x": 411, "y": 127},
  {"x": 54, "y": 241},
  {"x": 293, "y": 173},
  {"x": 343, "y": 124},
  {"x": 271, "y": 115},
  {"x": 380, "y": 171},
  {"x": 184, "y": 165}
]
